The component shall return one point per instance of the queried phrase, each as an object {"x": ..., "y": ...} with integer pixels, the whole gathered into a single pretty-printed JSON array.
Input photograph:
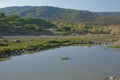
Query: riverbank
[{"x": 22, "y": 45}]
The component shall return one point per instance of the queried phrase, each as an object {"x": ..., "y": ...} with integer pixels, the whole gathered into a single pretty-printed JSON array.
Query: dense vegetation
[
  {"x": 13, "y": 25},
  {"x": 68, "y": 21},
  {"x": 64, "y": 15},
  {"x": 52, "y": 13}
]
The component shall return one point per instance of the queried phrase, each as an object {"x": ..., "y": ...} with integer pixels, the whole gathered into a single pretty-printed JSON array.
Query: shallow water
[{"x": 85, "y": 63}]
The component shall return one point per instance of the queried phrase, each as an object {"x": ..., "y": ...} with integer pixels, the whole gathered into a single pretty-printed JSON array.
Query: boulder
[{"x": 17, "y": 41}]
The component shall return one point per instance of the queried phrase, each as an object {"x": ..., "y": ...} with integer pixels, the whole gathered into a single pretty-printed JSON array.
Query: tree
[{"x": 2, "y": 15}]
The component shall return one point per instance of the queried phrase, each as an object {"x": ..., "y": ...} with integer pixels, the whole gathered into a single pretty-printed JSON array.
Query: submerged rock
[{"x": 65, "y": 58}]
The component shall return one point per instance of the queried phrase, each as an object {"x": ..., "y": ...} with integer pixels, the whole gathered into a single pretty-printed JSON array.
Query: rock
[
  {"x": 74, "y": 34},
  {"x": 17, "y": 41},
  {"x": 90, "y": 42},
  {"x": 31, "y": 40},
  {"x": 5, "y": 40},
  {"x": 64, "y": 58},
  {"x": 111, "y": 78},
  {"x": 1, "y": 37},
  {"x": 117, "y": 43},
  {"x": 88, "y": 35},
  {"x": 2, "y": 44}
]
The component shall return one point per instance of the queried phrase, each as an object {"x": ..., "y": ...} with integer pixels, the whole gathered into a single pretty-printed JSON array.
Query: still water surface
[{"x": 85, "y": 63}]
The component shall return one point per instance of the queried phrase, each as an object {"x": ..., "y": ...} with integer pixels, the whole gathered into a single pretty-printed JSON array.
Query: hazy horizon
[
  {"x": 58, "y": 7},
  {"x": 95, "y": 5}
]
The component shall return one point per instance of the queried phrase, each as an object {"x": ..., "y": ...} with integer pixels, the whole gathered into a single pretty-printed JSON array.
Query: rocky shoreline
[{"x": 111, "y": 78}]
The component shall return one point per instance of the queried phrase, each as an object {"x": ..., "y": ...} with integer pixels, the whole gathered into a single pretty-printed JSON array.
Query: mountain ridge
[
  {"x": 64, "y": 15},
  {"x": 35, "y": 18},
  {"x": 56, "y": 13}
]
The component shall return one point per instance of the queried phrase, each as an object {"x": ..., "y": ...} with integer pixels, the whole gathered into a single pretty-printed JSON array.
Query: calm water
[{"x": 85, "y": 63}]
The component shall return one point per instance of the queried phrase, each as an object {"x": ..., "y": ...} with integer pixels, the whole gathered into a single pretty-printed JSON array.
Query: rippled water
[{"x": 85, "y": 63}]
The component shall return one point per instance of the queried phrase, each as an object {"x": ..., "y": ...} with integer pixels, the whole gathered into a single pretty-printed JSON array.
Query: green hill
[
  {"x": 109, "y": 13},
  {"x": 13, "y": 25},
  {"x": 52, "y": 13},
  {"x": 64, "y": 15},
  {"x": 65, "y": 20},
  {"x": 13, "y": 10},
  {"x": 48, "y": 12}
]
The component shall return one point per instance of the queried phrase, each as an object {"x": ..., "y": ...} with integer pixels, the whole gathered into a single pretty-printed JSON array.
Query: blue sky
[{"x": 91, "y": 5}]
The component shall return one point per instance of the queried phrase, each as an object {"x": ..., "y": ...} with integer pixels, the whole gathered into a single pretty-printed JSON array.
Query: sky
[{"x": 91, "y": 5}]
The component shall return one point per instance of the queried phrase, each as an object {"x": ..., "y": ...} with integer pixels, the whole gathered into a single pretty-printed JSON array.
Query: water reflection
[
  {"x": 8, "y": 56},
  {"x": 4, "y": 59}
]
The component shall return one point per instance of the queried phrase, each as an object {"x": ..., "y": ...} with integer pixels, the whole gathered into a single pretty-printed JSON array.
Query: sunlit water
[{"x": 85, "y": 63}]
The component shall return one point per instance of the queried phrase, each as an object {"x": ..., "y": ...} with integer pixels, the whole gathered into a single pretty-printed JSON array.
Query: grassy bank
[{"x": 21, "y": 45}]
